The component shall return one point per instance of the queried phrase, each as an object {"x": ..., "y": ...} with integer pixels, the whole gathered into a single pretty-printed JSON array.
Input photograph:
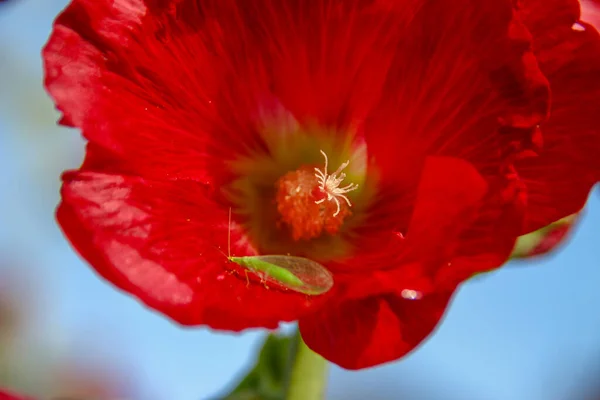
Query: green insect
[{"x": 294, "y": 273}]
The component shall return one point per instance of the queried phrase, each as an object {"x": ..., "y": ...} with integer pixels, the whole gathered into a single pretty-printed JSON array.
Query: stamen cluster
[{"x": 329, "y": 184}]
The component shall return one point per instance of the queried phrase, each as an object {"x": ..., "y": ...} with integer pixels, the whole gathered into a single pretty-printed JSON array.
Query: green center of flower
[
  {"x": 287, "y": 198},
  {"x": 312, "y": 201}
]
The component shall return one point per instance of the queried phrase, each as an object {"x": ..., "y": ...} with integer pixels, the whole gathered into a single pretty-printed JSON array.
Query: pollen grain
[{"x": 305, "y": 208}]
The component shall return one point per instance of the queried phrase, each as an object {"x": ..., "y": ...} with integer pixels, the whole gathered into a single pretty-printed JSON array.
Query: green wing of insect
[{"x": 295, "y": 273}]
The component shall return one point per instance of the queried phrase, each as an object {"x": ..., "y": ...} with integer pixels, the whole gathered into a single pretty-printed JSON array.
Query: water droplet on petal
[
  {"x": 411, "y": 294},
  {"x": 578, "y": 27}
]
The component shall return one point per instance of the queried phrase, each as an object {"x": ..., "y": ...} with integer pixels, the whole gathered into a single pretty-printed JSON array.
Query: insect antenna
[
  {"x": 221, "y": 251},
  {"x": 228, "y": 255},
  {"x": 229, "y": 247}
]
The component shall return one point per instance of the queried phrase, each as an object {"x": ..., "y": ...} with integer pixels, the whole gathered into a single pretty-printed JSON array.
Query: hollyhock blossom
[{"x": 375, "y": 137}]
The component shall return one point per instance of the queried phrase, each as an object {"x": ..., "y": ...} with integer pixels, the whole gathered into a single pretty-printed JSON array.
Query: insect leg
[
  {"x": 264, "y": 282},
  {"x": 247, "y": 278}
]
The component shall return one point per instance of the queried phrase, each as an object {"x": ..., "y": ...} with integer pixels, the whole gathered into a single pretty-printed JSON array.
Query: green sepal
[
  {"x": 269, "y": 378},
  {"x": 533, "y": 244}
]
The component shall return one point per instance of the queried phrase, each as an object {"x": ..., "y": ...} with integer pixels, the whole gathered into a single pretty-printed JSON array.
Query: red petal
[
  {"x": 488, "y": 242},
  {"x": 447, "y": 203},
  {"x": 362, "y": 333},
  {"x": 160, "y": 242},
  {"x": 463, "y": 83},
  {"x": 177, "y": 87},
  {"x": 559, "y": 180},
  {"x": 449, "y": 198},
  {"x": 328, "y": 59},
  {"x": 182, "y": 86},
  {"x": 147, "y": 88}
]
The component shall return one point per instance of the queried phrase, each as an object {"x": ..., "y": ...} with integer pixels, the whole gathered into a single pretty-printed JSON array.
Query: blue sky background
[{"x": 528, "y": 332}]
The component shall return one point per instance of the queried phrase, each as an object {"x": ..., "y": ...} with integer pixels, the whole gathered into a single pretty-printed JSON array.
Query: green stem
[{"x": 308, "y": 377}]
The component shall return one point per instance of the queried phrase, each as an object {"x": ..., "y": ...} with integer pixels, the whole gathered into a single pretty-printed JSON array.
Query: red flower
[{"x": 192, "y": 108}]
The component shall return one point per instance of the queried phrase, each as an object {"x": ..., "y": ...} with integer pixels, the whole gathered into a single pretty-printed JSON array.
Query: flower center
[{"x": 310, "y": 200}]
